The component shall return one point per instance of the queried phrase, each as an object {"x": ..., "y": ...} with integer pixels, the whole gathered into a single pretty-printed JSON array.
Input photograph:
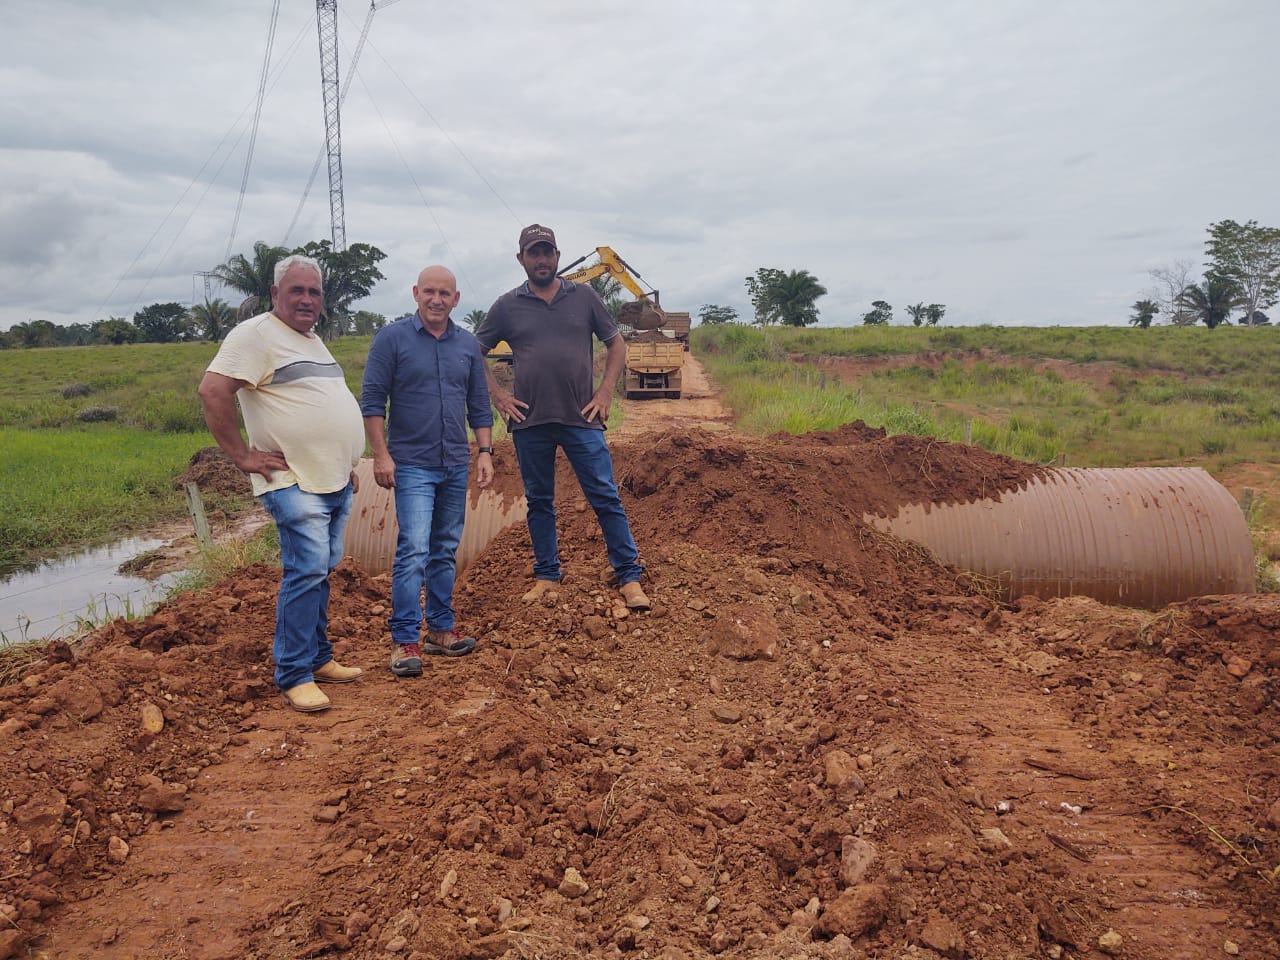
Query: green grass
[
  {"x": 93, "y": 436},
  {"x": 215, "y": 563},
  {"x": 86, "y": 484},
  {"x": 1192, "y": 351},
  {"x": 152, "y": 386},
  {"x": 1175, "y": 394}
]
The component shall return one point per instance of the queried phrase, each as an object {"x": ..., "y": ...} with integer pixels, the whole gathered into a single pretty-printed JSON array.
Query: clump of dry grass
[{"x": 17, "y": 658}]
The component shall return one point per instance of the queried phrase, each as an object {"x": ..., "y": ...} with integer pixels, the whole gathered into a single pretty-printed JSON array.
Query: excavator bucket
[{"x": 640, "y": 315}]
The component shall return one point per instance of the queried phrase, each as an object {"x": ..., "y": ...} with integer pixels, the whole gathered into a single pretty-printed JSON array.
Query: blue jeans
[
  {"x": 588, "y": 454},
  {"x": 310, "y": 527},
  {"x": 431, "y": 506}
]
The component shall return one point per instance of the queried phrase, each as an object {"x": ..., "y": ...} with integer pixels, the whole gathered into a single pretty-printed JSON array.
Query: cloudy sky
[{"x": 1021, "y": 162}]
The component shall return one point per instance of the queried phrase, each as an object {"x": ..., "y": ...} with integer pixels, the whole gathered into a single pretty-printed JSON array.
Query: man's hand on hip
[
  {"x": 510, "y": 408},
  {"x": 598, "y": 406},
  {"x": 262, "y": 461}
]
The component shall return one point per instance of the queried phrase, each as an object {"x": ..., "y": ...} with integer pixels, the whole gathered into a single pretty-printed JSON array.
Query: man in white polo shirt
[{"x": 306, "y": 436}]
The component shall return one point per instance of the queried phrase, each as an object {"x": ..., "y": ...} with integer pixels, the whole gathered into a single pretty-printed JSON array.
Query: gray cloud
[{"x": 1020, "y": 163}]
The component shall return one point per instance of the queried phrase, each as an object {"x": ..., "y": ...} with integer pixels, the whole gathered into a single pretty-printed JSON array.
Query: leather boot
[
  {"x": 540, "y": 589},
  {"x": 306, "y": 698},
  {"x": 334, "y": 672},
  {"x": 634, "y": 597}
]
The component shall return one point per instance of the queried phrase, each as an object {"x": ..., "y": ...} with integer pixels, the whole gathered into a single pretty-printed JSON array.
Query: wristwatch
[{"x": 484, "y": 450}]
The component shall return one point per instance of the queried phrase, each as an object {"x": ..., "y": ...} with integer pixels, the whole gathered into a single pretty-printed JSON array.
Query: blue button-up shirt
[{"x": 433, "y": 388}]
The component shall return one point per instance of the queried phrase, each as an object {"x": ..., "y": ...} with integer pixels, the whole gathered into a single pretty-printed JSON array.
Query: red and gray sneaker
[
  {"x": 448, "y": 643},
  {"x": 406, "y": 659}
]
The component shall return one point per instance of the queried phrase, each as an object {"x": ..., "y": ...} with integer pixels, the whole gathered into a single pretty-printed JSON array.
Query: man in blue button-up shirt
[{"x": 431, "y": 373}]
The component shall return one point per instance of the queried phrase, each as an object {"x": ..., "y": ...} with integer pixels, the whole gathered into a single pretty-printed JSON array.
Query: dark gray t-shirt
[{"x": 552, "y": 349}]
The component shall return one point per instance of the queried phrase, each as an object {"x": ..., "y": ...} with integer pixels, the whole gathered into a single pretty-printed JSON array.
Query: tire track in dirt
[
  {"x": 192, "y": 886},
  {"x": 1011, "y": 741}
]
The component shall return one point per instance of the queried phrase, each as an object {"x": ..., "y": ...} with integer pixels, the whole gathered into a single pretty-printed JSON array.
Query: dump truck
[
  {"x": 654, "y": 362},
  {"x": 656, "y": 339}
]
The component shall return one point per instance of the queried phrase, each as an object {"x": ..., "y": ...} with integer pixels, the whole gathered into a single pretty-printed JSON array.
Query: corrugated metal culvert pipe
[
  {"x": 372, "y": 529},
  {"x": 1138, "y": 537}
]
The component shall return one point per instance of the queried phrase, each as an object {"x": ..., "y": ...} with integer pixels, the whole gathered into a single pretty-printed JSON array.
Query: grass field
[
  {"x": 1124, "y": 398},
  {"x": 92, "y": 437}
]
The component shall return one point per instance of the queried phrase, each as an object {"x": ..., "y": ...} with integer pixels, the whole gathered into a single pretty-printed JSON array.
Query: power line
[
  {"x": 408, "y": 170},
  {"x": 462, "y": 153},
  {"x": 257, "y": 114},
  {"x": 289, "y": 54}
]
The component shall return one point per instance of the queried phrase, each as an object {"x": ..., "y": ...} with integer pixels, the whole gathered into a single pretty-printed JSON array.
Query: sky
[{"x": 1023, "y": 163}]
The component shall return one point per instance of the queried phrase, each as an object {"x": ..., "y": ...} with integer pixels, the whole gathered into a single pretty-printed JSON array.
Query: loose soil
[{"x": 819, "y": 743}]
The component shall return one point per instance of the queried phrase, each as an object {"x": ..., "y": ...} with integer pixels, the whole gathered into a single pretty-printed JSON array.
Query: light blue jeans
[
  {"x": 431, "y": 506},
  {"x": 588, "y": 454},
  {"x": 310, "y": 527}
]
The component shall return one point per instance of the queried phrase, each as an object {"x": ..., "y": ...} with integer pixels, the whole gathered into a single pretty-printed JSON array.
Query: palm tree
[
  {"x": 610, "y": 291},
  {"x": 213, "y": 318},
  {"x": 917, "y": 313},
  {"x": 1144, "y": 311},
  {"x": 795, "y": 296},
  {"x": 253, "y": 278},
  {"x": 347, "y": 276},
  {"x": 1210, "y": 302},
  {"x": 473, "y": 319}
]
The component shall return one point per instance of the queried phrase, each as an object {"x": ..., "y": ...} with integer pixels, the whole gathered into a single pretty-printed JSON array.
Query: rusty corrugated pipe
[
  {"x": 372, "y": 529},
  {"x": 1138, "y": 537}
]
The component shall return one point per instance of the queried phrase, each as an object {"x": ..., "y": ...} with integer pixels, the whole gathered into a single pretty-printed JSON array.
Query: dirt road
[{"x": 820, "y": 743}]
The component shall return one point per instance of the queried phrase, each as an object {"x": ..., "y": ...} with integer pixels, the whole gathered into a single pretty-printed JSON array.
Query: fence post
[{"x": 196, "y": 505}]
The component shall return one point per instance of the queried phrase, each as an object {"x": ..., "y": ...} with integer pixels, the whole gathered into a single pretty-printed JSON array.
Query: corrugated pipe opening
[{"x": 1138, "y": 537}]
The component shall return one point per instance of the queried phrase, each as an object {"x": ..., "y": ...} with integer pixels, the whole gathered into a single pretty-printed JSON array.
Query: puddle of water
[{"x": 45, "y": 603}]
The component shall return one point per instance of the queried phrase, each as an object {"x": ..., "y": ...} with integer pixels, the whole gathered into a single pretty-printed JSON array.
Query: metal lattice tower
[{"x": 327, "y": 25}]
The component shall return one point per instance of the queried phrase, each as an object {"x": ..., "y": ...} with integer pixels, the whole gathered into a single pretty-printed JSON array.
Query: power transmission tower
[
  {"x": 209, "y": 276},
  {"x": 327, "y": 25}
]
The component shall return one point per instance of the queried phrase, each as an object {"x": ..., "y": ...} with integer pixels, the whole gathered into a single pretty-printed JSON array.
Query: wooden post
[
  {"x": 1246, "y": 501},
  {"x": 968, "y": 432},
  {"x": 196, "y": 505}
]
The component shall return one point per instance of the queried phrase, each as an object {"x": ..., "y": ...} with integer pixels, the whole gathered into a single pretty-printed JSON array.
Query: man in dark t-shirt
[{"x": 549, "y": 323}]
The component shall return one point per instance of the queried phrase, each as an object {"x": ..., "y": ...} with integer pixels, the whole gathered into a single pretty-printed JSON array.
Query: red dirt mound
[{"x": 213, "y": 472}]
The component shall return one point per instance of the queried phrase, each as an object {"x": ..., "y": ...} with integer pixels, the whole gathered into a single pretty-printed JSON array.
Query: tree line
[
  {"x": 1242, "y": 272},
  {"x": 348, "y": 275},
  {"x": 790, "y": 299}
]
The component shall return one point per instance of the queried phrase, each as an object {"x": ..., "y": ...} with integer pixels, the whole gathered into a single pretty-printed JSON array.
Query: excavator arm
[{"x": 614, "y": 266}]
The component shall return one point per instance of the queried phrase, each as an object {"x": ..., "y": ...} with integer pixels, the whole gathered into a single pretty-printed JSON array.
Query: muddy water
[{"x": 50, "y": 601}]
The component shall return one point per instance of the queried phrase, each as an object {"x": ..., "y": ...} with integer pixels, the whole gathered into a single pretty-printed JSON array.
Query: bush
[
  {"x": 97, "y": 414},
  {"x": 171, "y": 411},
  {"x": 76, "y": 390}
]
